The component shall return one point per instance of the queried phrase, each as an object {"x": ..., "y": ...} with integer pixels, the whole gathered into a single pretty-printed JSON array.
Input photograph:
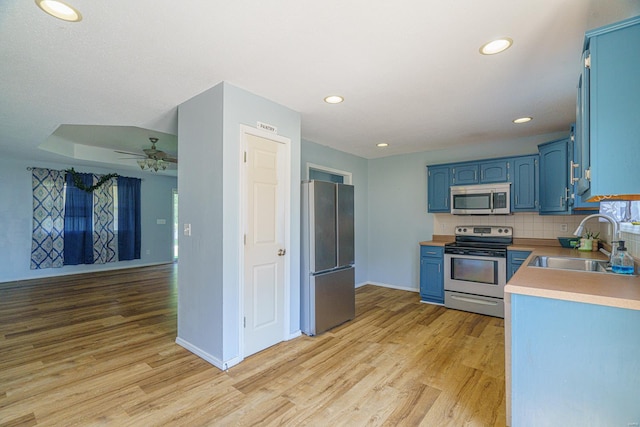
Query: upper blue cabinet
[
  {"x": 438, "y": 182},
  {"x": 494, "y": 171},
  {"x": 554, "y": 176},
  {"x": 465, "y": 174},
  {"x": 608, "y": 112}
]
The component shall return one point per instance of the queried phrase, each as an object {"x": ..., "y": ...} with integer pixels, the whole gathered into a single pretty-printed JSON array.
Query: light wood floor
[{"x": 98, "y": 349}]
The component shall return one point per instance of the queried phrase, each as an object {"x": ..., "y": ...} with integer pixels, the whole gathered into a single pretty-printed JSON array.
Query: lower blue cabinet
[
  {"x": 514, "y": 261},
  {"x": 432, "y": 274}
]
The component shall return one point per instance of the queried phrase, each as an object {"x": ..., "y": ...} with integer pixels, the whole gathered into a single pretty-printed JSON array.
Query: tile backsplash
[
  {"x": 632, "y": 242},
  {"x": 527, "y": 224},
  {"x": 532, "y": 225}
]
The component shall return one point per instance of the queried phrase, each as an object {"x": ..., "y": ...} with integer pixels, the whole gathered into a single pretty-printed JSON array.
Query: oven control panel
[{"x": 484, "y": 230}]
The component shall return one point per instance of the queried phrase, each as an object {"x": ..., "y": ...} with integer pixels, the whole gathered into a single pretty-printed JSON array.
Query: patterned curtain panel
[
  {"x": 105, "y": 244},
  {"x": 47, "y": 242}
]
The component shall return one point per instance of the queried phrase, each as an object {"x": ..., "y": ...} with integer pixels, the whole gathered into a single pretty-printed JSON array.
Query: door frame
[
  {"x": 348, "y": 176},
  {"x": 248, "y": 130}
]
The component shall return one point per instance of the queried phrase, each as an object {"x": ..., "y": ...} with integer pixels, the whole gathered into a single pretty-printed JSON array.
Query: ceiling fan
[{"x": 155, "y": 159}]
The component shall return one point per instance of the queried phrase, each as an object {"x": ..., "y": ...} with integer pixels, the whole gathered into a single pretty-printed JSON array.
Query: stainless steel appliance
[
  {"x": 475, "y": 269},
  {"x": 327, "y": 265},
  {"x": 481, "y": 199}
]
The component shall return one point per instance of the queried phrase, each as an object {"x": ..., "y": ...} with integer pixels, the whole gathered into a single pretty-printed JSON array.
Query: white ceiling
[{"x": 410, "y": 71}]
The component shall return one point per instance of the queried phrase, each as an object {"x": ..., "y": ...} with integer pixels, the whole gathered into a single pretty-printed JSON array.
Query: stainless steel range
[{"x": 475, "y": 269}]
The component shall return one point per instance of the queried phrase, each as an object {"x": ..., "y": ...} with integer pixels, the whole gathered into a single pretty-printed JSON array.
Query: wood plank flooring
[{"x": 99, "y": 349}]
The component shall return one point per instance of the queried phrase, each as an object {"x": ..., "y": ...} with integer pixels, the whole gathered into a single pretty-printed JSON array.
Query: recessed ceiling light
[
  {"x": 333, "y": 99},
  {"x": 59, "y": 10},
  {"x": 522, "y": 120},
  {"x": 382, "y": 144},
  {"x": 496, "y": 46}
]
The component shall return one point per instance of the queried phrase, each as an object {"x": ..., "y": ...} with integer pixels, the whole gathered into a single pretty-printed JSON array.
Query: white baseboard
[
  {"x": 223, "y": 366},
  {"x": 296, "y": 334},
  {"x": 386, "y": 285},
  {"x": 58, "y": 272}
]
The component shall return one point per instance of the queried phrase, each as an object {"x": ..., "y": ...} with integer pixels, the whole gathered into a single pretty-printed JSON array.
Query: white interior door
[{"x": 265, "y": 253}]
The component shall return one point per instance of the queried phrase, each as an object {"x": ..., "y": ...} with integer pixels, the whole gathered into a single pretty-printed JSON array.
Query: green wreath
[{"x": 78, "y": 181}]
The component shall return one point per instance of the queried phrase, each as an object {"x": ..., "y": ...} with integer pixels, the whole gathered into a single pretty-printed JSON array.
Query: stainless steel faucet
[{"x": 616, "y": 227}]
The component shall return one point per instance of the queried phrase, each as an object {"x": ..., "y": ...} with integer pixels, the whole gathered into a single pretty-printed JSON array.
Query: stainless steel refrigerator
[{"x": 327, "y": 265}]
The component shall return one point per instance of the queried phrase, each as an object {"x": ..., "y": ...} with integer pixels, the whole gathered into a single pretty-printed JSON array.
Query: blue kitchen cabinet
[
  {"x": 514, "y": 261},
  {"x": 524, "y": 188},
  {"x": 578, "y": 206},
  {"x": 608, "y": 111},
  {"x": 464, "y": 174},
  {"x": 438, "y": 183},
  {"x": 554, "y": 178},
  {"x": 432, "y": 274},
  {"x": 481, "y": 172},
  {"x": 494, "y": 171},
  {"x": 573, "y": 364}
]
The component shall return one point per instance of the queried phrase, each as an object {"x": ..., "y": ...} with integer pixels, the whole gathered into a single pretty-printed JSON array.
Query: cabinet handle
[
  {"x": 561, "y": 201},
  {"x": 438, "y": 268},
  {"x": 431, "y": 253}
]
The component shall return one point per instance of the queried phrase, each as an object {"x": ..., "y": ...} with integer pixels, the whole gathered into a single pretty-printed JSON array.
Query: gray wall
[
  {"x": 334, "y": 159},
  {"x": 210, "y": 261},
  {"x": 16, "y": 212}
]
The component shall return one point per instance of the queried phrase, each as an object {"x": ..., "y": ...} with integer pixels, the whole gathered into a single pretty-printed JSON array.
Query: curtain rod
[{"x": 30, "y": 168}]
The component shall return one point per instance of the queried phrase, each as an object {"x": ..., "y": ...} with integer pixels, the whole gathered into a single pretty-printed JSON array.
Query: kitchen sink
[{"x": 564, "y": 263}]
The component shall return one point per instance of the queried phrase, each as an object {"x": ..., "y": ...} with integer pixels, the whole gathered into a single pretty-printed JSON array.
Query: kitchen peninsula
[{"x": 572, "y": 345}]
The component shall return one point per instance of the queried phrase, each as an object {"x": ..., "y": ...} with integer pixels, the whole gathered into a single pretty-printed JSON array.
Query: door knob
[{"x": 281, "y": 252}]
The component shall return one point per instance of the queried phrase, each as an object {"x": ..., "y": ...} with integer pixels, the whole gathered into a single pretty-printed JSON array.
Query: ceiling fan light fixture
[
  {"x": 60, "y": 10},
  {"x": 496, "y": 46},
  {"x": 142, "y": 163}
]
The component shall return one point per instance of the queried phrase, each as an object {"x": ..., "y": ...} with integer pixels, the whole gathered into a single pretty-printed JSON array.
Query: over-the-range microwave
[{"x": 481, "y": 199}]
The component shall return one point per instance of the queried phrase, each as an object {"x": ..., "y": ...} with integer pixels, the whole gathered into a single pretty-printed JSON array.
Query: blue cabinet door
[
  {"x": 514, "y": 261},
  {"x": 582, "y": 130},
  {"x": 524, "y": 190},
  {"x": 438, "y": 182},
  {"x": 465, "y": 174},
  {"x": 432, "y": 274},
  {"x": 495, "y": 171},
  {"x": 575, "y": 173},
  {"x": 614, "y": 127},
  {"x": 554, "y": 185}
]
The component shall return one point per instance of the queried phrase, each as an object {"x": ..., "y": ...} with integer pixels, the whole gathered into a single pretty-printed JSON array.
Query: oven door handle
[
  {"x": 491, "y": 201},
  {"x": 473, "y": 300}
]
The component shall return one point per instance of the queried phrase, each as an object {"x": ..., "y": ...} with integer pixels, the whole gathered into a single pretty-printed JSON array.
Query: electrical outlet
[{"x": 563, "y": 227}]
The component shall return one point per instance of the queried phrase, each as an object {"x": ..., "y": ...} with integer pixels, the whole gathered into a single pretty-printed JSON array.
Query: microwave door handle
[{"x": 491, "y": 201}]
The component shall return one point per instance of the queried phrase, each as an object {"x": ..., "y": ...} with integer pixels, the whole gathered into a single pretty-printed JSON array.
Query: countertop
[
  {"x": 606, "y": 289},
  {"x": 613, "y": 290}
]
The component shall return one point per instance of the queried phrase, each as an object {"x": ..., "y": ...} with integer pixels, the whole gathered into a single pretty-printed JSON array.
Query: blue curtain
[
  {"x": 78, "y": 222},
  {"x": 128, "y": 218}
]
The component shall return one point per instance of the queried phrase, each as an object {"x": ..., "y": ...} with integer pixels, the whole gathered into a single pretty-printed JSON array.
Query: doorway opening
[{"x": 323, "y": 173}]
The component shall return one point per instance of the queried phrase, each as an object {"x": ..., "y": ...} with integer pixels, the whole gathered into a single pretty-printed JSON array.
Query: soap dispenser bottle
[{"x": 622, "y": 262}]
